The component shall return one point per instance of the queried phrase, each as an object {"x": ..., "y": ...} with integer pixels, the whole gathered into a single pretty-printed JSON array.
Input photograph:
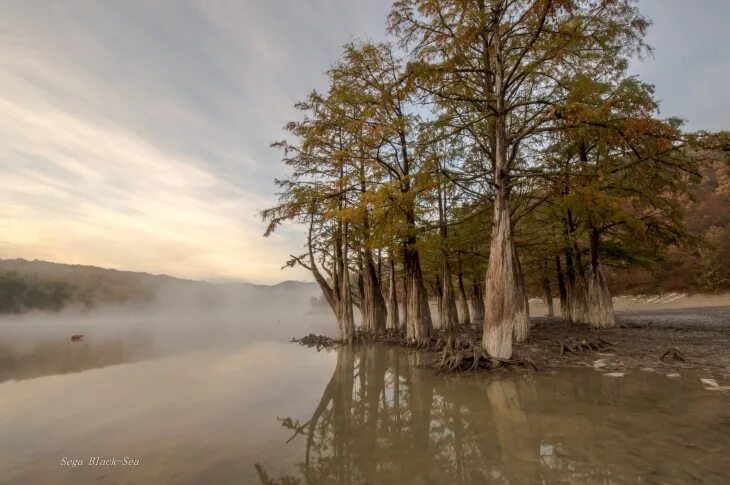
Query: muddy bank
[
  {"x": 665, "y": 342},
  {"x": 692, "y": 342}
]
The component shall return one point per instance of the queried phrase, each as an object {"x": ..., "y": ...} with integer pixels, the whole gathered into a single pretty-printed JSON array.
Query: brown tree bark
[
  {"x": 449, "y": 316},
  {"x": 419, "y": 325},
  {"x": 600, "y": 312},
  {"x": 579, "y": 292},
  {"x": 373, "y": 305},
  {"x": 345, "y": 318},
  {"x": 464, "y": 314},
  {"x": 506, "y": 313},
  {"x": 547, "y": 291},
  {"x": 404, "y": 322},
  {"x": 439, "y": 298},
  {"x": 393, "y": 321},
  {"x": 505, "y": 300},
  {"x": 564, "y": 312},
  {"x": 477, "y": 302}
]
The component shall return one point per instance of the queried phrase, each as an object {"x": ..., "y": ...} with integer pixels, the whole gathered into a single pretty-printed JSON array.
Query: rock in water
[
  {"x": 615, "y": 374},
  {"x": 709, "y": 382}
]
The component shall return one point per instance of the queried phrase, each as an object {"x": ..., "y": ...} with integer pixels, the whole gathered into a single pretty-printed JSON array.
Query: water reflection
[
  {"x": 61, "y": 356},
  {"x": 384, "y": 419},
  {"x": 357, "y": 415}
]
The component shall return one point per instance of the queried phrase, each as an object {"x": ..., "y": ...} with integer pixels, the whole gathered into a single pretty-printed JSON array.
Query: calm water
[{"x": 369, "y": 415}]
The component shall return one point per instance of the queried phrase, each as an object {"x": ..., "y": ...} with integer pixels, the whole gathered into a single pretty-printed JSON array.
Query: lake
[{"x": 275, "y": 412}]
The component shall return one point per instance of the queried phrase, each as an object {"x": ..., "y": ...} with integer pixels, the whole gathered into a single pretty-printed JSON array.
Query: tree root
[
  {"x": 468, "y": 356},
  {"x": 580, "y": 346},
  {"x": 319, "y": 341},
  {"x": 389, "y": 336},
  {"x": 673, "y": 354}
]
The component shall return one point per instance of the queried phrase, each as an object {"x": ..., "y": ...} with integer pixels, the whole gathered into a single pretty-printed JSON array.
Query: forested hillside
[
  {"x": 40, "y": 285},
  {"x": 703, "y": 264},
  {"x": 28, "y": 285}
]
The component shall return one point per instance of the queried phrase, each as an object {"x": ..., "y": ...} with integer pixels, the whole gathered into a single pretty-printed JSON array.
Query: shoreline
[{"x": 664, "y": 341}]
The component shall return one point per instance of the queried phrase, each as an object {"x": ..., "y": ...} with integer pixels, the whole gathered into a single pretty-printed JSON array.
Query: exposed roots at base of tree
[
  {"x": 365, "y": 337},
  {"x": 585, "y": 344},
  {"x": 389, "y": 336},
  {"x": 470, "y": 356},
  {"x": 319, "y": 341}
]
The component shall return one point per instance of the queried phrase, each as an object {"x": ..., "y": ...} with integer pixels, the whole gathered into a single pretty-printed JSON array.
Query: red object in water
[{"x": 77, "y": 338}]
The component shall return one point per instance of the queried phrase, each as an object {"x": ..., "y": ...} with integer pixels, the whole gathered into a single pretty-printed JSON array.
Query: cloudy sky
[{"x": 135, "y": 134}]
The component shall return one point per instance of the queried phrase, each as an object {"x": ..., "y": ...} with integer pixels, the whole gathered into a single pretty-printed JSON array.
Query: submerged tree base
[
  {"x": 469, "y": 356},
  {"x": 555, "y": 343}
]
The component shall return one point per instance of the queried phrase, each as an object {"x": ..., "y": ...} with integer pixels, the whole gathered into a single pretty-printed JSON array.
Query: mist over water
[{"x": 180, "y": 318}]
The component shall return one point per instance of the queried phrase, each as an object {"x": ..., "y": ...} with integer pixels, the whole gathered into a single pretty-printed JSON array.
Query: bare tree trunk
[
  {"x": 337, "y": 290},
  {"x": 547, "y": 291},
  {"x": 419, "y": 325},
  {"x": 579, "y": 294},
  {"x": 505, "y": 300},
  {"x": 477, "y": 302},
  {"x": 564, "y": 312},
  {"x": 449, "y": 317},
  {"x": 404, "y": 322},
  {"x": 373, "y": 305},
  {"x": 464, "y": 317},
  {"x": 439, "y": 299},
  {"x": 506, "y": 312},
  {"x": 365, "y": 318},
  {"x": 345, "y": 318},
  {"x": 600, "y": 305},
  {"x": 393, "y": 321},
  {"x": 577, "y": 286}
]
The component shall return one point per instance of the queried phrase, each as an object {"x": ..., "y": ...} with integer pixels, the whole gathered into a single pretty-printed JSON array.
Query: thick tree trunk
[
  {"x": 579, "y": 293},
  {"x": 548, "y": 296},
  {"x": 505, "y": 300},
  {"x": 600, "y": 305},
  {"x": 372, "y": 306},
  {"x": 477, "y": 303},
  {"x": 564, "y": 312},
  {"x": 419, "y": 325},
  {"x": 393, "y": 321},
  {"x": 577, "y": 285},
  {"x": 449, "y": 317},
  {"x": 579, "y": 300},
  {"x": 464, "y": 316}
]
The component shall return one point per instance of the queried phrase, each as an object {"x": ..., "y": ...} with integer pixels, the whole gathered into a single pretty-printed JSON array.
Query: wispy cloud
[{"x": 135, "y": 134}]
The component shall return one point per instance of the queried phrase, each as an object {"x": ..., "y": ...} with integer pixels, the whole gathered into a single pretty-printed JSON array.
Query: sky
[{"x": 135, "y": 134}]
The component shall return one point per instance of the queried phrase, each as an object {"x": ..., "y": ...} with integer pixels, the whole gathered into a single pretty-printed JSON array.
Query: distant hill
[
  {"x": 703, "y": 267},
  {"x": 41, "y": 285}
]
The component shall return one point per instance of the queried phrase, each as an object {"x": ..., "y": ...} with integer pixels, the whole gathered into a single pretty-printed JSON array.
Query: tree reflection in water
[{"x": 384, "y": 419}]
